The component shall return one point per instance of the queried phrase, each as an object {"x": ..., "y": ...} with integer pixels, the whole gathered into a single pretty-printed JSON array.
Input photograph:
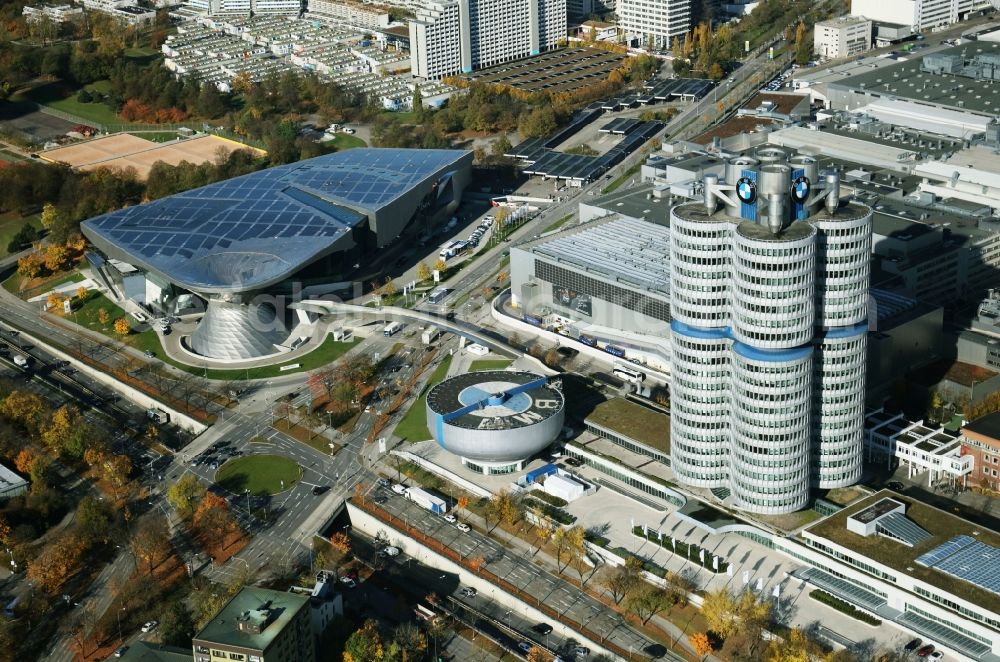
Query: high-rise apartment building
[
  {"x": 449, "y": 37},
  {"x": 656, "y": 21},
  {"x": 768, "y": 294}
]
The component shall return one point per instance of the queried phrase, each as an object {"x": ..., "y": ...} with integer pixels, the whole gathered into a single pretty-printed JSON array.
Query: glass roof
[{"x": 256, "y": 229}]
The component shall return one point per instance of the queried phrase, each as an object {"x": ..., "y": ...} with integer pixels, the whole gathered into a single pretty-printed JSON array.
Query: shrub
[
  {"x": 549, "y": 498},
  {"x": 553, "y": 513}
]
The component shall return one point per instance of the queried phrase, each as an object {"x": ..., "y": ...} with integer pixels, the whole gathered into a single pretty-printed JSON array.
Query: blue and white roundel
[
  {"x": 746, "y": 190},
  {"x": 800, "y": 189}
]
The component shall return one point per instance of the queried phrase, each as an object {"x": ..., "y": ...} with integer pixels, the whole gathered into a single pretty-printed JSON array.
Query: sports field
[{"x": 122, "y": 150}]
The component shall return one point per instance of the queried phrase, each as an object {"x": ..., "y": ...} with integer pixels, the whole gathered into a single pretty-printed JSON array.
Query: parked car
[
  {"x": 895, "y": 485},
  {"x": 524, "y": 646},
  {"x": 399, "y": 489},
  {"x": 469, "y": 592},
  {"x": 384, "y": 482},
  {"x": 913, "y": 645},
  {"x": 924, "y": 651},
  {"x": 149, "y": 626},
  {"x": 450, "y": 518},
  {"x": 936, "y": 655},
  {"x": 463, "y": 527},
  {"x": 391, "y": 551},
  {"x": 121, "y": 651},
  {"x": 581, "y": 652}
]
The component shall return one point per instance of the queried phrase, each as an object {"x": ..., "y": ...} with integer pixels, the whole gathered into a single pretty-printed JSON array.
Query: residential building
[
  {"x": 126, "y": 11},
  {"x": 981, "y": 442},
  {"x": 654, "y": 22},
  {"x": 449, "y": 37},
  {"x": 55, "y": 13},
  {"x": 245, "y": 7},
  {"x": 259, "y": 625},
  {"x": 584, "y": 8},
  {"x": 845, "y": 36},
  {"x": 769, "y": 306},
  {"x": 920, "y": 14},
  {"x": 352, "y": 13}
]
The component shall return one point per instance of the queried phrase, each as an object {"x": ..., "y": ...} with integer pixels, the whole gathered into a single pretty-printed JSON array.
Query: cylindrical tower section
[
  {"x": 809, "y": 168},
  {"x": 699, "y": 424},
  {"x": 736, "y": 167},
  {"x": 772, "y": 189},
  {"x": 771, "y": 412},
  {"x": 773, "y": 286},
  {"x": 843, "y": 257},
  {"x": 771, "y": 154},
  {"x": 838, "y": 407},
  {"x": 699, "y": 266}
]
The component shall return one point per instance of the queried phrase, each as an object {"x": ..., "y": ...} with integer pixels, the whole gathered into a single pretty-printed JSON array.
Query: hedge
[{"x": 843, "y": 607}]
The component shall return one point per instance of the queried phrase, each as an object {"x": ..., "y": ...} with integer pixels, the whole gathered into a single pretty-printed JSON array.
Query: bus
[
  {"x": 615, "y": 351},
  {"x": 629, "y": 374},
  {"x": 391, "y": 328},
  {"x": 438, "y": 295}
]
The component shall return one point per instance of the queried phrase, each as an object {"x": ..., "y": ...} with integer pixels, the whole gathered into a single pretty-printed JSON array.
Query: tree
[
  {"x": 462, "y": 503},
  {"x": 25, "y": 408},
  {"x": 796, "y": 647},
  {"x": 623, "y": 580},
  {"x": 417, "y": 103},
  {"x": 423, "y": 271},
  {"x": 185, "y": 495},
  {"x": 720, "y": 612},
  {"x": 364, "y": 644},
  {"x": 95, "y": 521},
  {"x": 54, "y": 301},
  {"x": 440, "y": 265},
  {"x": 500, "y": 146},
  {"x": 211, "y": 513},
  {"x": 151, "y": 543},
  {"x": 81, "y": 294},
  {"x": 67, "y": 432},
  {"x": 701, "y": 644},
  {"x": 57, "y": 257},
  {"x": 803, "y": 45},
  {"x": 177, "y": 626},
  {"x": 58, "y": 562},
  {"x": 503, "y": 507},
  {"x": 536, "y": 654},
  {"x": 29, "y": 266},
  {"x": 341, "y": 543},
  {"x": 569, "y": 542},
  {"x": 409, "y": 642},
  {"x": 103, "y": 316},
  {"x": 754, "y": 615},
  {"x": 650, "y": 601},
  {"x": 50, "y": 215},
  {"x": 122, "y": 327}
]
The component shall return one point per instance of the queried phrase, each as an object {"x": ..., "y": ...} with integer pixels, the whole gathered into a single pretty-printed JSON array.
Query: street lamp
[{"x": 247, "y": 492}]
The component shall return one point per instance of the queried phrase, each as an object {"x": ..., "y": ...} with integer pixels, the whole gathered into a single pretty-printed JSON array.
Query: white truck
[
  {"x": 426, "y": 500},
  {"x": 430, "y": 334},
  {"x": 21, "y": 360}
]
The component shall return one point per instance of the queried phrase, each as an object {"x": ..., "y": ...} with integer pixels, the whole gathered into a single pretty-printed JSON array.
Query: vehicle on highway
[
  {"x": 149, "y": 626},
  {"x": 399, "y": 489},
  {"x": 463, "y": 527},
  {"x": 319, "y": 489},
  {"x": 924, "y": 651},
  {"x": 542, "y": 628},
  {"x": 450, "y": 518},
  {"x": 380, "y": 500},
  {"x": 580, "y": 652},
  {"x": 121, "y": 651},
  {"x": 21, "y": 360},
  {"x": 469, "y": 592}
]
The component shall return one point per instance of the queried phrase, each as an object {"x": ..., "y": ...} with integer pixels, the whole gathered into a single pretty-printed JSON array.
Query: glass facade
[{"x": 572, "y": 280}]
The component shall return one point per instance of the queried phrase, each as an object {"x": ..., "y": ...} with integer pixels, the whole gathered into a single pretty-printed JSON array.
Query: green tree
[
  {"x": 185, "y": 495},
  {"x": 649, "y": 601},
  {"x": 803, "y": 45},
  {"x": 721, "y": 612},
  {"x": 95, "y": 520},
  {"x": 50, "y": 215},
  {"x": 364, "y": 644},
  {"x": 500, "y": 146},
  {"x": 210, "y": 101},
  {"x": 177, "y": 626}
]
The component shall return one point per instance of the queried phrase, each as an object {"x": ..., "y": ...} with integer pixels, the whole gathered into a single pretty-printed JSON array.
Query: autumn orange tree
[
  {"x": 122, "y": 327},
  {"x": 701, "y": 643},
  {"x": 102, "y": 316},
  {"x": 57, "y": 563},
  {"x": 28, "y": 409}
]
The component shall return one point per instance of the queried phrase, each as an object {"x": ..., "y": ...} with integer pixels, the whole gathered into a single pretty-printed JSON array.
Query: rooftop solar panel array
[
  {"x": 276, "y": 219},
  {"x": 679, "y": 87},
  {"x": 968, "y": 559}
]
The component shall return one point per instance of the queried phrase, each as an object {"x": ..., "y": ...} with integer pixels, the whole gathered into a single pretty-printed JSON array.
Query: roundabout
[{"x": 262, "y": 475}]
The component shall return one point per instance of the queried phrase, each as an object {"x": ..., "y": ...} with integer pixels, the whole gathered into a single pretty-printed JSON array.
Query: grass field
[
  {"x": 88, "y": 315},
  {"x": 634, "y": 421},
  {"x": 13, "y": 284},
  {"x": 490, "y": 364},
  {"x": 624, "y": 177},
  {"x": 63, "y": 97},
  {"x": 413, "y": 427},
  {"x": 11, "y": 223},
  {"x": 344, "y": 141},
  {"x": 261, "y": 474}
]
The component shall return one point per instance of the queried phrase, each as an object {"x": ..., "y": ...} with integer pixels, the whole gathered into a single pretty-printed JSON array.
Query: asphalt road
[{"x": 554, "y": 592}]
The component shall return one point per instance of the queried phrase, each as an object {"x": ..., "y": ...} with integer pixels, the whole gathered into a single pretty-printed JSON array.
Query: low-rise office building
[
  {"x": 258, "y": 625},
  {"x": 845, "y": 36},
  {"x": 920, "y": 447},
  {"x": 981, "y": 442}
]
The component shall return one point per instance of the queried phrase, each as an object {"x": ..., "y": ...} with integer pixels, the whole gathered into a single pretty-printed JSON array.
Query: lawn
[
  {"x": 88, "y": 314},
  {"x": 413, "y": 427},
  {"x": 625, "y": 176},
  {"x": 11, "y": 222},
  {"x": 345, "y": 141},
  {"x": 558, "y": 224},
  {"x": 13, "y": 284},
  {"x": 483, "y": 365},
  {"x": 633, "y": 421},
  {"x": 261, "y": 474},
  {"x": 62, "y": 96}
]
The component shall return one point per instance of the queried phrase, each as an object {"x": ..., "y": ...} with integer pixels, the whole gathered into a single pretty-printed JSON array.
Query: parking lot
[
  {"x": 565, "y": 70},
  {"x": 34, "y": 126}
]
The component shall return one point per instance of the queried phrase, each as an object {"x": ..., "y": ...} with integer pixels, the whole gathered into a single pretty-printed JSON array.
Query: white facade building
[
  {"x": 921, "y": 447},
  {"x": 350, "y": 13},
  {"x": 658, "y": 21},
  {"x": 917, "y": 14},
  {"x": 459, "y": 36},
  {"x": 55, "y": 13},
  {"x": 845, "y": 36},
  {"x": 245, "y": 7},
  {"x": 769, "y": 304}
]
